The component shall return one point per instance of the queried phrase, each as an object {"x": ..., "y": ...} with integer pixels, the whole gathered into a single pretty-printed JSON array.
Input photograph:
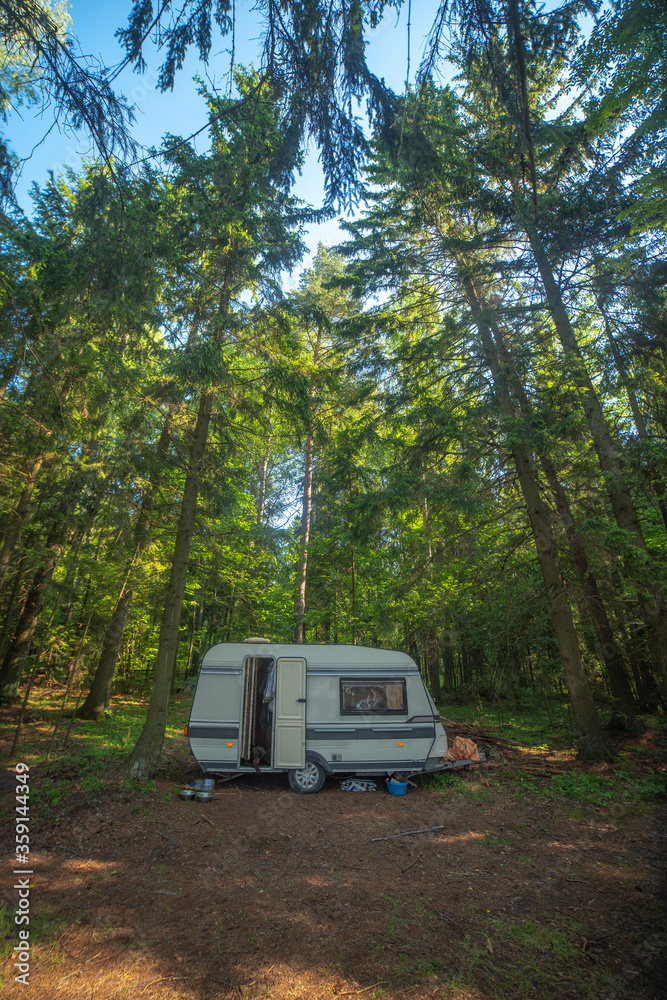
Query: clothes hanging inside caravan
[
  {"x": 257, "y": 715},
  {"x": 267, "y": 690}
]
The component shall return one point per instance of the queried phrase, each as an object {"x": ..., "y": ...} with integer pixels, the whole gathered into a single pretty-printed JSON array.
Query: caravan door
[{"x": 290, "y": 713}]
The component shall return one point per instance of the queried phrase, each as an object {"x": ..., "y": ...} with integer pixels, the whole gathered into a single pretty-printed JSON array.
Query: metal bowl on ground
[
  {"x": 186, "y": 793},
  {"x": 204, "y": 796}
]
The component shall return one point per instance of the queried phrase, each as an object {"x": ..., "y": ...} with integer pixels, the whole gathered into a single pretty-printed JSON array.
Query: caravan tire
[{"x": 307, "y": 780}]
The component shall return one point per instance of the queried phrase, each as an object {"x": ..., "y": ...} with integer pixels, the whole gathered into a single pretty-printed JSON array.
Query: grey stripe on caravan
[
  {"x": 198, "y": 731},
  {"x": 421, "y": 732},
  {"x": 364, "y": 672},
  {"x": 372, "y": 767},
  {"x": 194, "y": 721},
  {"x": 219, "y": 767},
  {"x": 208, "y": 669},
  {"x": 344, "y": 767}
]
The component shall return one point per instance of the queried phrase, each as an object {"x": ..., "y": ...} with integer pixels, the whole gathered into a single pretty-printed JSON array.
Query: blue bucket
[{"x": 397, "y": 787}]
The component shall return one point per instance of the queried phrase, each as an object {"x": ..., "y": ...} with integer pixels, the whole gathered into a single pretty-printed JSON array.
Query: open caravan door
[{"x": 290, "y": 713}]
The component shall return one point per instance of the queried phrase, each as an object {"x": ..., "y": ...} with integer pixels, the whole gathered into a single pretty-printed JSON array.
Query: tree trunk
[
  {"x": 261, "y": 500},
  {"x": 590, "y": 738},
  {"x": 433, "y": 665},
  {"x": 654, "y": 475},
  {"x": 19, "y": 647},
  {"x": 15, "y": 608},
  {"x": 16, "y": 523},
  {"x": 607, "y": 452},
  {"x": 609, "y": 649},
  {"x": 653, "y": 608},
  {"x": 306, "y": 509},
  {"x": 146, "y": 754},
  {"x": 99, "y": 694}
]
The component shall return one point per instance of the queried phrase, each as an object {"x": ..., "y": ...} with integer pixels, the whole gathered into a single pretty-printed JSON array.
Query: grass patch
[
  {"x": 448, "y": 783},
  {"x": 529, "y": 959},
  {"x": 593, "y": 789},
  {"x": 534, "y": 936},
  {"x": 491, "y": 840},
  {"x": 43, "y": 927},
  {"x": 96, "y": 751}
]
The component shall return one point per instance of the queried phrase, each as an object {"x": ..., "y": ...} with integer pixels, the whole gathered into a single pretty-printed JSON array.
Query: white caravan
[{"x": 313, "y": 710}]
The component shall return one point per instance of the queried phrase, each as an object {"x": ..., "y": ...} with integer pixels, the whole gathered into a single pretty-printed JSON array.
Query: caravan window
[{"x": 360, "y": 697}]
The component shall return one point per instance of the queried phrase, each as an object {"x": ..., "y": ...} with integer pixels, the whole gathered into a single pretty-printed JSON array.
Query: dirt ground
[{"x": 266, "y": 894}]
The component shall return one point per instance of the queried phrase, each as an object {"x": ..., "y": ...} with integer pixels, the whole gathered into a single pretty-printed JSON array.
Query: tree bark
[
  {"x": 98, "y": 696},
  {"x": 652, "y": 607},
  {"x": 10, "y": 673},
  {"x": 590, "y": 738},
  {"x": 15, "y": 608},
  {"x": 144, "y": 758},
  {"x": 306, "y": 510},
  {"x": 100, "y": 687},
  {"x": 19, "y": 647},
  {"x": 654, "y": 476},
  {"x": 261, "y": 500},
  {"x": 609, "y": 648},
  {"x": 433, "y": 665},
  {"x": 607, "y": 452},
  {"x": 16, "y": 524}
]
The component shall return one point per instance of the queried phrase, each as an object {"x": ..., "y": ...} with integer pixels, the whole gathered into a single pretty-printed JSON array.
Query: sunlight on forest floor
[{"x": 536, "y": 876}]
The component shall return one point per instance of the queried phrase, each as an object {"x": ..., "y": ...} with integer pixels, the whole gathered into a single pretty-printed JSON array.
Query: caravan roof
[{"x": 324, "y": 657}]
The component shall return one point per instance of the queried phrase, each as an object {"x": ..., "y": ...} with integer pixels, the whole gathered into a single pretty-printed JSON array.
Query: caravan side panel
[
  {"x": 369, "y": 742},
  {"x": 213, "y": 729}
]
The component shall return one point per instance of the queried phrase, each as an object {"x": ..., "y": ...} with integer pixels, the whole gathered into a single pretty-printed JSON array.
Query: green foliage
[
  {"x": 39, "y": 61},
  {"x": 314, "y": 58},
  {"x": 596, "y": 789},
  {"x": 43, "y": 927},
  {"x": 457, "y": 782},
  {"x": 540, "y": 719}
]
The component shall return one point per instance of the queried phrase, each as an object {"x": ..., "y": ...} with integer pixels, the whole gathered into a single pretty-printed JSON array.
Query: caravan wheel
[{"x": 307, "y": 780}]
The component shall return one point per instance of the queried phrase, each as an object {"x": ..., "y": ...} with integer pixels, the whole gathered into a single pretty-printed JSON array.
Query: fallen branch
[
  {"x": 350, "y": 993},
  {"x": 146, "y": 983},
  {"x": 162, "y": 979},
  {"x": 603, "y": 937},
  {"x": 207, "y": 820},
  {"x": 473, "y": 731},
  {"x": 443, "y": 916},
  {"x": 76, "y": 972},
  {"x": 365, "y": 868},
  {"x": 408, "y": 833},
  {"x": 541, "y": 772},
  {"x": 407, "y": 867}
]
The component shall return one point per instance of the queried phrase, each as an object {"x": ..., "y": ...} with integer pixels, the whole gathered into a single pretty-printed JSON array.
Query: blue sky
[{"x": 181, "y": 111}]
